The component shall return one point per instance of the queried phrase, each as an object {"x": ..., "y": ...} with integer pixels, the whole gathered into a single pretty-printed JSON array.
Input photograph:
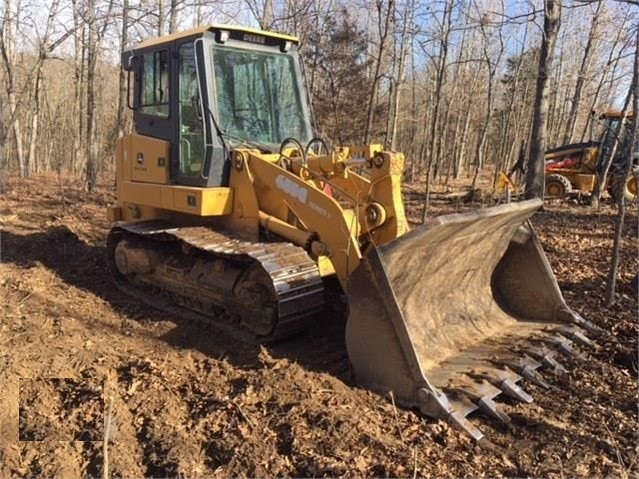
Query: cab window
[
  {"x": 191, "y": 132},
  {"x": 154, "y": 81},
  {"x": 257, "y": 96}
]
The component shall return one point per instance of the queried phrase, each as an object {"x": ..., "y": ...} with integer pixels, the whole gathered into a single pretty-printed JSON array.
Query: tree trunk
[
  {"x": 509, "y": 139},
  {"x": 266, "y": 19},
  {"x": 620, "y": 33},
  {"x": 3, "y": 165},
  {"x": 383, "y": 26},
  {"x": 535, "y": 176},
  {"x": 8, "y": 50},
  {"x": 161, "y": 17},
  {"x": 581, "y": 77},
  {"x": 173, "y": 16},
  {"x": 632, "y": 149},
  {"x": 35, "y": 119},
  {"x": 122, "y": 96},
  {"x": 556, "y": 101},
  {"x": 79, "y": 112},
  {"x": 412, "y": 150},
  {"x": 91, "y": 160},
  {"x": 491, "y": 64},
  {"x": 407, "y": 20},
  {"x": 17, "y": 133},
  {"x": 439, "y": 82}
]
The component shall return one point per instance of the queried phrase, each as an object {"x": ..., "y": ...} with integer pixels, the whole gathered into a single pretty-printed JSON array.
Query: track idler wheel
[
  {"x": 130, "y": 259},
  {"x": 257, "y": 301}
]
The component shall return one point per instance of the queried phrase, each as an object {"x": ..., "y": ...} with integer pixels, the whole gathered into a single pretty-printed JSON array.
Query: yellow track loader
[{"x": 228, "y": 206}]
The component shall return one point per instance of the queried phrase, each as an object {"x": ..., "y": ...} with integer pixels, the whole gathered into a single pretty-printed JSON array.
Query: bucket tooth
[
  {"x": 482, "y": 394},
  {"x": 570, "y": 316},
  {"x": 574, "y": 335},
  {"x": 563, "y": 345},
  {"x": 547, "y": 358},
  {"x": 476, "y": 390},
  {"x": 458, "y": 421},
  {"x": 434, "y": 403},
  {"x": 506, "y": 380},
  {"x": 489, "y": 408},
  {"x": 527, "y": 368},
  {"x": 512, "y": 390}
]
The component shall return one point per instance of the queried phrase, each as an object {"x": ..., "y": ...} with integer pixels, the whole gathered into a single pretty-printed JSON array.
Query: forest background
[{"x": 450, "y": 83}]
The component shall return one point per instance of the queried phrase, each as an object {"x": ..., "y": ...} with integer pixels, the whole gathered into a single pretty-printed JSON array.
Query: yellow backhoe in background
[
  {"x": 227, "y": 205},
  {"x": 577, "y": 167}
]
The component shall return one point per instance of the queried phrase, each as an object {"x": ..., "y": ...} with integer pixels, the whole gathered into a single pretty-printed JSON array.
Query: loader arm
[
  {"x": 295, "y": 203},
  {"x": 283, "y": 195}
]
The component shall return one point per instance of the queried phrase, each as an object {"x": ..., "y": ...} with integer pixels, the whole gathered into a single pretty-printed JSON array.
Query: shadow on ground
[{"x": 83, "y": 265}]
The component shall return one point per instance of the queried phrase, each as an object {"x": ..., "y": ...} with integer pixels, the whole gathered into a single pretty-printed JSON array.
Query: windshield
[
  {"x": 258, "y": 97},
  {"x": 607, "y": 140}
]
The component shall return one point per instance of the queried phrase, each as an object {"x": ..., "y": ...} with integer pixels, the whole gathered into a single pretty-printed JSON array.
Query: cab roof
[{"x": 213, "y": 28}]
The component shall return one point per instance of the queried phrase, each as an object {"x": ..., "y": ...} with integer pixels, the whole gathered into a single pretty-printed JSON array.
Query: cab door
[
  {"x": 190, "y": 132},
  {"x": 153, "y": 114},
  {"x": 171, "y": 111}
]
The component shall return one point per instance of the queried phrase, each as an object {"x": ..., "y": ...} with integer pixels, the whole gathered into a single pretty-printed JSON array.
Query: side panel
[
  {"x": 183, "y": 199},
  {"x": 149, "y": 159},
  {"x": 585, "y": 182}
]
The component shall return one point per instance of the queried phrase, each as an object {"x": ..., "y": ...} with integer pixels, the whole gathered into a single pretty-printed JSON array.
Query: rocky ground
[{"x": 81, "y": 364}]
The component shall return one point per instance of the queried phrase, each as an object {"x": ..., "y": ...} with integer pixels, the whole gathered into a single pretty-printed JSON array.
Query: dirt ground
[{"x": 80, "y": 364}]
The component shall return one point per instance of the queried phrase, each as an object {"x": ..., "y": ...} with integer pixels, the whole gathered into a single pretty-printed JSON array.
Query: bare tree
[
  {"x": 46, "y": 45},
  {"x": 96, "y": 27},
  {"x": 122, "y": 87},
  {"x": 3, "y": 165},
  {"x": 512, "y": 136},
  {"x": 581, "y": 76},
  {"x": 267, "y": 15},
  {"x": 616, "y": 51},
  {"x": 399, "y": 71},
  {"x": 385, "y": 18},
  {"x": 440, "y": 78},
  {"x": 174, "y": 9},
  {"x": 92, "y": 59},
  {"x": 492, "y": 61},
  {"x": 535, "y": 174},
  {"x": 262, "y": 11},
  {"x": 8, "y": 44},
  {"x": 631, "y": 149},
  {"x": 462, "y": 96}
]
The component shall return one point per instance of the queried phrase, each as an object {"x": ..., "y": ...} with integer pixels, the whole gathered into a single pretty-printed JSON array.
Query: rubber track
[{"x": 294, "y": 275}]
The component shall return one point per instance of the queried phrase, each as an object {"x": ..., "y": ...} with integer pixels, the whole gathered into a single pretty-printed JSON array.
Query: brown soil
[{"x": 182, "y": 399}]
